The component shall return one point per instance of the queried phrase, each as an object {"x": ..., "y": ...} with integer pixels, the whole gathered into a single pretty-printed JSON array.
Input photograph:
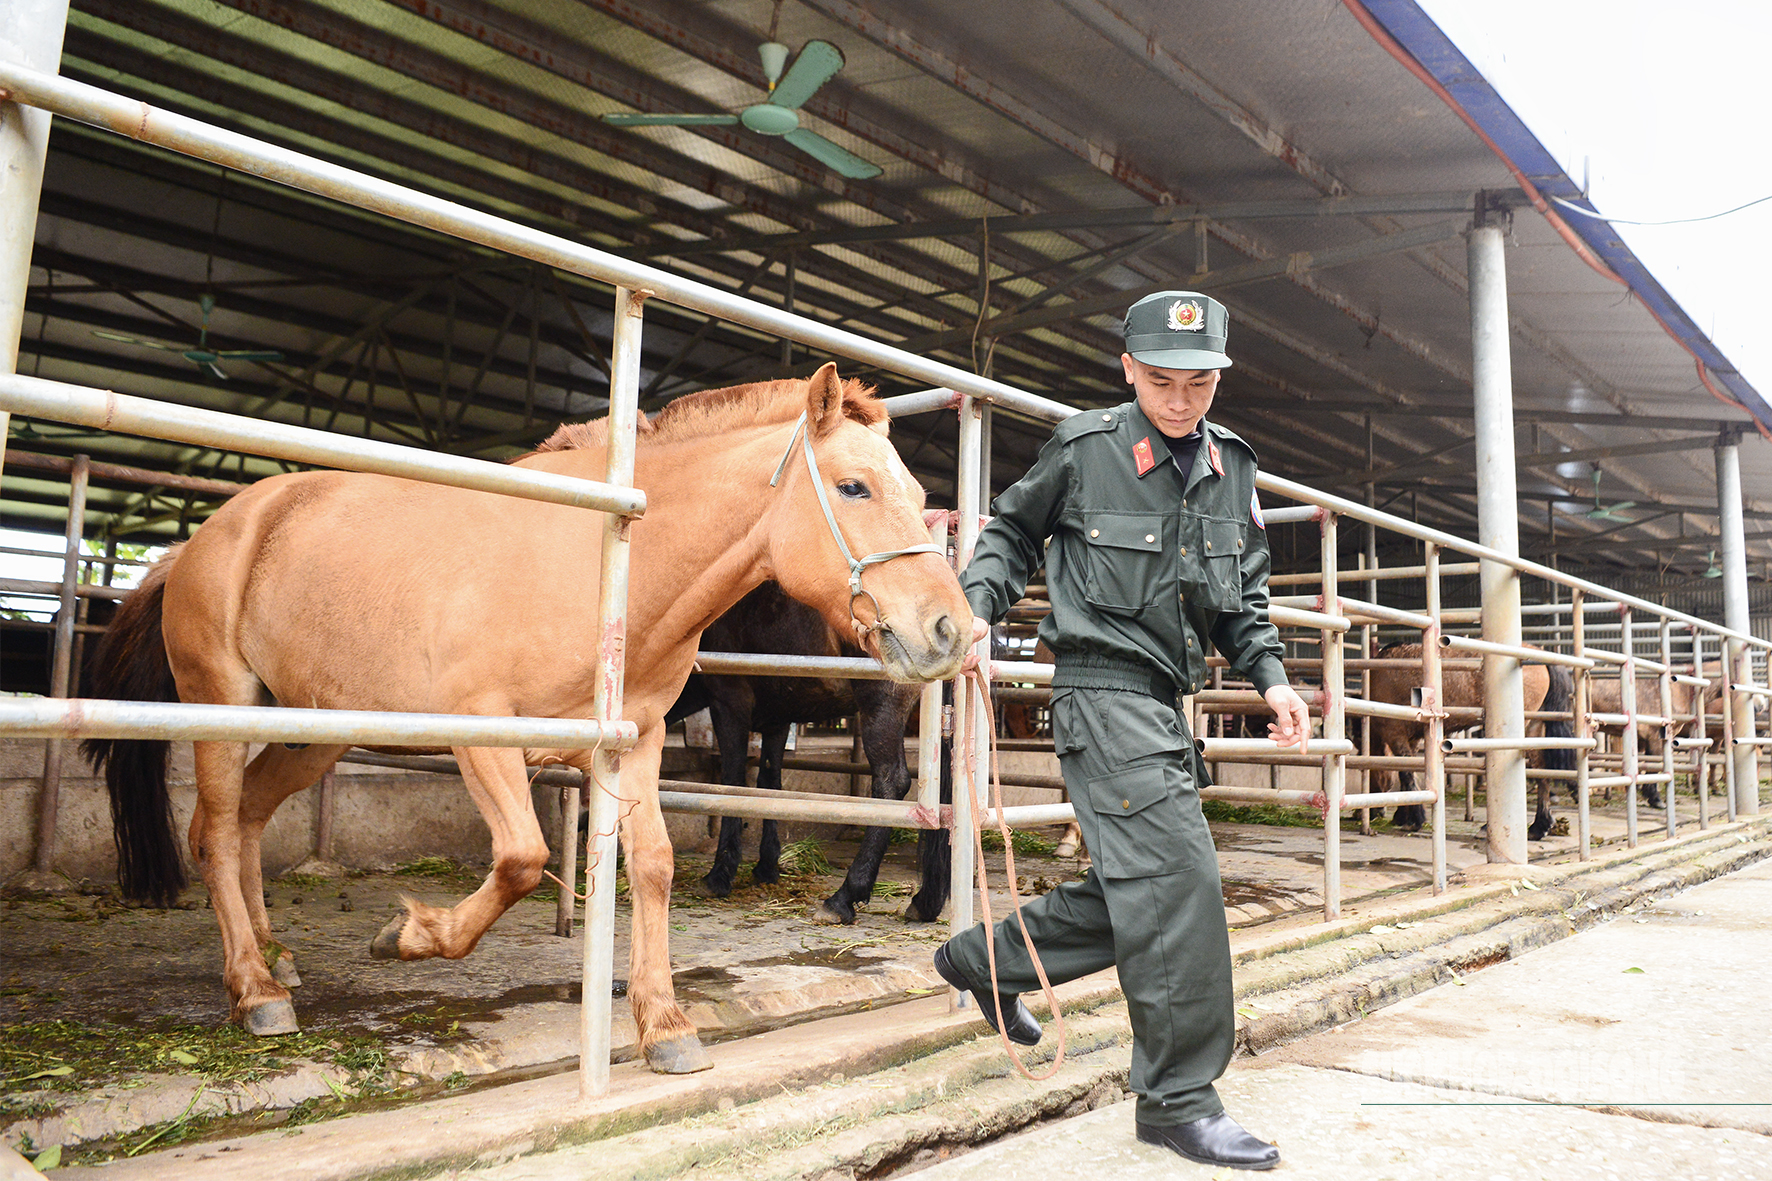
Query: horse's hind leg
[
  {"x": 259, "y": 1002},
  {"x": 276, "y": 774},
  {"x": 496, "y": 780},
  {"x": 934, "y": 855},
  {"x": 731, "y": 714}
]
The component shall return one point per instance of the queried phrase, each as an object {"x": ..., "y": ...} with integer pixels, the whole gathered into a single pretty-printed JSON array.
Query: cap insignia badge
[
  {"x": 1185, "y": 315},
  {"x": 1141, "y": 455}
]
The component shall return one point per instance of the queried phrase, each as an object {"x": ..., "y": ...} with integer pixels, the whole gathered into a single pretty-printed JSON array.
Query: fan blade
[
  {"x": 815, "y": 66},
  {"x": 215, "y": 369},
  {"x": 146, "y": 344},
  {"x": 249, "y": 355},
  {"x": 670, "y": 120},
  {"x": 837, "y": 158}
]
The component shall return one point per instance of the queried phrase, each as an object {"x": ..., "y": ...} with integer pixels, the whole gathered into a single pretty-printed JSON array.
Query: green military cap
[{"x": 1178, "y": 330}]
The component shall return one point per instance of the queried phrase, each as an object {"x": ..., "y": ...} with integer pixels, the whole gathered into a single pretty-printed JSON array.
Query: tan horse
[
  {"x": 1543, "y": 687},
  {"x": 347, "y": 591}
]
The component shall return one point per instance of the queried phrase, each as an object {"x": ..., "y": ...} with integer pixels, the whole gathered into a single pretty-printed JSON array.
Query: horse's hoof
[
  {"x": 716, "y": 888},
  {"x": 283, "y": 971},
  {"x": 680, "y": 1055},
  {"x": 830, "y": 916},
  {"x": 1066, "y": 849},
  {"x": 768, "y": 876},
  {"x": 386, "y": 945},
  {"x": 913, "y": 912},
  {"x": 271, "y": 1019}
]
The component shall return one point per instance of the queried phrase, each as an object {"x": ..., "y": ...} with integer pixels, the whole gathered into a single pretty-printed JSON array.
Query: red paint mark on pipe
[{"x": 928, "y": 817}]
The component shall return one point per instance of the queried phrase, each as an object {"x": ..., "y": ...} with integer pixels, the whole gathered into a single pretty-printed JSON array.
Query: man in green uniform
[{"x": 1146, "y": 519}]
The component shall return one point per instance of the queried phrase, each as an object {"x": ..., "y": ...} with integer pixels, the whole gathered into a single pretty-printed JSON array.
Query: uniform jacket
[{"x": 1143, "y": 568}]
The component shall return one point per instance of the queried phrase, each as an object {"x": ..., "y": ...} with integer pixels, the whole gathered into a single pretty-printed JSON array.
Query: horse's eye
[{"x": 853, "y": 489}]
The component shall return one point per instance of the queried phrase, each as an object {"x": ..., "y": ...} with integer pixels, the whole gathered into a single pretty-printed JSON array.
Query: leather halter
[{"x": 856, "y": 565}]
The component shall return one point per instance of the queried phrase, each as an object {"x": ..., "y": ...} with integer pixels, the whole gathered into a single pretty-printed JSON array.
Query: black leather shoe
[
  {"x": 1023, "y": 1029},
  {"x": 1214, "y": 1140}
]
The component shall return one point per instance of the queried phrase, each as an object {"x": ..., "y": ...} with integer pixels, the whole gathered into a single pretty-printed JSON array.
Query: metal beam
[
  {"x": 1135, "y": 217},
  {"x": 1546, "y": 459}
]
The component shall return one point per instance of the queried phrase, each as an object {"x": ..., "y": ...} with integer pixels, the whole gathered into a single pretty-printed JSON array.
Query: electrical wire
[{"x": 1677, "y": 221}]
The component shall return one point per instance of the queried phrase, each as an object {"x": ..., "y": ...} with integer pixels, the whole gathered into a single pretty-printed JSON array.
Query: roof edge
[{"x": 1436, "y": 53}]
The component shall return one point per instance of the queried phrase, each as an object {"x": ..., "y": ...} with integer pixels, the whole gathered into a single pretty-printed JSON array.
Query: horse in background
[
  {"x": 767, "y": 620},
  {"x": 1547, "y": 688},
  {"x": 341, "y": 590}
]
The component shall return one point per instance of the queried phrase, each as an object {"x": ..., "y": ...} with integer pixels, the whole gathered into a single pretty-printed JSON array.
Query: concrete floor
[
  {"x": 745, "y": 965},
  {"x": 1639, "y": 1049}
]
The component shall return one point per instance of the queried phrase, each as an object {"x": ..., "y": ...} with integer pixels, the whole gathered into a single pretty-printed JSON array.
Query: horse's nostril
[{"x": 944, "y": 630}]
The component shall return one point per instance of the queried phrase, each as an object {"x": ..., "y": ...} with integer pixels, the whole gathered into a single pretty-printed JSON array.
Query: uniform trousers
[{"x": 1152, "y": 904}]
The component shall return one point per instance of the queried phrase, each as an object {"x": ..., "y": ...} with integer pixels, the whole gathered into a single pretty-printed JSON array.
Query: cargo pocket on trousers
[{"x": 1140, "y": 822}]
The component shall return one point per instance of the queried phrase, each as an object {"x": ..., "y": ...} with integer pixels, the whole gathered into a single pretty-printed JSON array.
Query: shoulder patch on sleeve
[
  {"x": 1255, "y": 510},
  {"x": 1089, "y": 422}
]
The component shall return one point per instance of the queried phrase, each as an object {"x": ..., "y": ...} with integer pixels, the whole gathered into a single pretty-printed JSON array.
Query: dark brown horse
[
  {"x": 1547, "y": 688},
  {"x": 337, "y": 590},
  {"x": 767, "y": 620}
]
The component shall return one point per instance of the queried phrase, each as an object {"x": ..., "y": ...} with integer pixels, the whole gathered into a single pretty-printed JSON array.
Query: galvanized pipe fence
[{"x": 1328, "y": 617}]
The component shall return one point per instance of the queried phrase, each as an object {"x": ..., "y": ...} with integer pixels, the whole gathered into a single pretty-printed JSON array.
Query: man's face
[{"x": 1175, "y": 400}]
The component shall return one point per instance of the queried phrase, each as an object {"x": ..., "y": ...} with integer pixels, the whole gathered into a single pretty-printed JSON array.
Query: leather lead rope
[{"x": 971, "y": 718}]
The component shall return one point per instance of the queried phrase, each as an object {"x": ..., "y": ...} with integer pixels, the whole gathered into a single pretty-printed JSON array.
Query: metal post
[
  {"x": 1627, "y": 696},
  {"x": 1667, "y": 724},
  {"x": 1498, "y": 528},
  {"x": 961, "y": 867},
  {"x": 929, "y": 719},
  {"x": 595, "y": 1009},
  {"x": 1700, "y": 729},
  {"x": 31, "y": 35},
  {"x": 1743, "y": 759},
  {"x": 326, "y": 809},
  {"x": 1334, "y": 718},
  {"x": 1433, "y": 699},
  {"x": 61, "y": 674},
  {"x": 1583, "y": 726}
]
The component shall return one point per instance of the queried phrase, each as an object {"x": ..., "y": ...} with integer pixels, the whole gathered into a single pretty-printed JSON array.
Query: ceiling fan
[
  {"x": 1609, "y": 512},
  {"x": 202, "y": 356},
  {"x": 778, "y": 115}
]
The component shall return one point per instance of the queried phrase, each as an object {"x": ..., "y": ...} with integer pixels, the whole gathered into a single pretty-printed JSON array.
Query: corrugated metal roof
[{"x": 981, "y": 115}]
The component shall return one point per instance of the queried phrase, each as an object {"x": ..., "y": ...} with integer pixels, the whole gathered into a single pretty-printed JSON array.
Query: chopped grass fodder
[{"x": 801, "y": 858}]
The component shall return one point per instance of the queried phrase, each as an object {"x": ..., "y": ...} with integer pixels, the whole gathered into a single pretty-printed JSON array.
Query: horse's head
[{"x": 908, "y": 610}]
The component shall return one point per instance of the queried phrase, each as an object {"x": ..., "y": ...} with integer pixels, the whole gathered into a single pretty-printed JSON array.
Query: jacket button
[
  {"x": 1150, "y": 537},
  {"x": 1125, "y": 803},
  {"x": 1208, "y": 545},
  {"x": 1095, "y": 533},
  {"x": 1184, "y": 551},
  {"x": 1107, "y": 418}
]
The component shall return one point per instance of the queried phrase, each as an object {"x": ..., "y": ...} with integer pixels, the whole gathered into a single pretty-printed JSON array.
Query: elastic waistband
[{"x": 1095, "y": 672}]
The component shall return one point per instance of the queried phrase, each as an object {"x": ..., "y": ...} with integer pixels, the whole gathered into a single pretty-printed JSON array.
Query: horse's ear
[{"x": 824, "y": 400}]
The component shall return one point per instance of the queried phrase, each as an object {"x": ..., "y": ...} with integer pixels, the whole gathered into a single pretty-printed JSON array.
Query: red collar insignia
[
  {"x": 1141, "y": 455},
  {"x": 1213, "y": 457}
]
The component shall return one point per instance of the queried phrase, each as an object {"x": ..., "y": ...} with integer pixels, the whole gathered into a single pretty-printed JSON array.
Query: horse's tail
[
  {"x": 130, "y": 665},
  {"x": 1559, "y": 697}
]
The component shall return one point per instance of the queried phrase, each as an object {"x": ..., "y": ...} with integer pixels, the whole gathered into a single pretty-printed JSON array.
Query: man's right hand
[{"x": 980, "y": 630}]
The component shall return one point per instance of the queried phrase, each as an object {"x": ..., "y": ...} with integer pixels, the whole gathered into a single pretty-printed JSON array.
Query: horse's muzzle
[{"x": 932, "y": 651}]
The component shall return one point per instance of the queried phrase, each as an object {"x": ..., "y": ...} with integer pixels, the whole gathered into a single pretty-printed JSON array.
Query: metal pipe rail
[
  {"x": 1376, "y": 574},
  {"x": 65, "y": 717},
  {"x": 129, "y": 415},
  {"x": 1522, "y": 654},
  {"x": 53, "y": 590},
  {"x": 1469, "y": 745}
]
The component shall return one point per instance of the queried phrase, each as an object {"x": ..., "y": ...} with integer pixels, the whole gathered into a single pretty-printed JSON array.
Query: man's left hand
[{"x": 1292, "y": 724}]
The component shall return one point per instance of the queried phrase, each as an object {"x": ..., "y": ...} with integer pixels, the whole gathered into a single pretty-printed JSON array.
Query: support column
[
  {"x": 1743, "y": 760},
  {"x": 31, "y": 35},
  {"x": 1498, "y": 527}
]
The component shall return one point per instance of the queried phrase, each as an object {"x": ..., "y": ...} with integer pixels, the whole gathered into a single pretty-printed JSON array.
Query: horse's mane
[{"x": 710, "y": 412}]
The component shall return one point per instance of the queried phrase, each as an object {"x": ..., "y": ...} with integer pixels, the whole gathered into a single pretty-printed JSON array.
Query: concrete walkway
[{"x": 1638, "y": 1049}]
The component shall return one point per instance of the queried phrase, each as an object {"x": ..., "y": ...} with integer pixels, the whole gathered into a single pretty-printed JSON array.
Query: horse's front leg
[
  {"x": 882, "y": 736},
  {"x": 667, "y": 1037},
  {"x": 774, "y": 750},
  {"x": 730, "y": 710},
  {"x": 496, "y": 779},
  {"x": 277, "y": 773},
  {"x": 259, "y": 1002}
]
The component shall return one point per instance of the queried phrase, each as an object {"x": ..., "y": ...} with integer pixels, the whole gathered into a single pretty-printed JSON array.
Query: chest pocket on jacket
[
  {"x": 1221, "y": 555},
  {"x": 1124, "y": 566}
]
